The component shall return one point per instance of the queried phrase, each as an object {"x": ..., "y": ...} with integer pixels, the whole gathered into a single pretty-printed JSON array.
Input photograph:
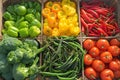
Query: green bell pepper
[
  {"x": 23, "y": 32},
  {"x": 35, "y": 22},
  {"x": 12, "y": 31},
  {"x": 7, "y": 16},
  {"x": 34, "y": 31},
  {"x": 29, "y": 17},
  {"x": 9, "y": 23},
  {"x": 23, "y": 24}
]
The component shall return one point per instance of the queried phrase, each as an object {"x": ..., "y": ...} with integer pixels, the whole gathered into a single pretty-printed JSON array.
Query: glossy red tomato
[
  {"x": 88, "y": 59},
  {"x": 107, "y": 74},
  {"x": 94, "y": 52},
  {"x": 114, "y": 50},
  {"x": 90, "y": 73},
  {"x": 88, "y": 44},
  {"x": 113, "y": 65},
  {"x": 106, "y": 57},
  {"x": 102, "y": 44},
  {"x": 98, "y": 65},
  {"x": 114, "y": 42}
]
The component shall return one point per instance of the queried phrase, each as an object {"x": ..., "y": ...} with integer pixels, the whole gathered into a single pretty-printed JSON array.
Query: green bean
[
  {"x": 66, "y": 78},
  {"x": 57, "y": 74}
]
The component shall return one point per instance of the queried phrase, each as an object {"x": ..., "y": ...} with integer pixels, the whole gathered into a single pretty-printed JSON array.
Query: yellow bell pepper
[
  {"x": 47, "y": 30},
  {"x": 63, "y": 28},
  {"x": 55, "y": 32},
  {"x": 75, "y": 31},
  {"x": 73, "y": 4},
  {"x": 49, "y": 4},
  {"x": 70, "y": 11},
  {"x": 52, "y": 19},
  {"x": 61, "y": 14},
  {"x": 46, "y": 12}
]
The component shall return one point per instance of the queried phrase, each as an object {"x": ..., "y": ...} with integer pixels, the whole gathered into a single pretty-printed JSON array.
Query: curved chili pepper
[
  {"x": 93, "y": 13},
  {"x": 84, "y": 15}
]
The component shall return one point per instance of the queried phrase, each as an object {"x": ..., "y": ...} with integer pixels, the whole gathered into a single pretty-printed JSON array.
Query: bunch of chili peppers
[{"x": 98, "y": 19}]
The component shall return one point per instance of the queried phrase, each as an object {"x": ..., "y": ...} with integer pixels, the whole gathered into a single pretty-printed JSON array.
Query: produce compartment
[
  {"x": 60, "y": 18},
  {"x": 99, "y": 18},
  {"x": 62, "y": 59},
  {"x": 102, "y": 56},
  {"x": 21, "y": 19}
]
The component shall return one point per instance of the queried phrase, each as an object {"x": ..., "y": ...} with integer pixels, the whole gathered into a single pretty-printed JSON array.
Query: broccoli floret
[
  {"x": 31, "y": 42},
  {"x": 10, "y": 43},
  {"x": 16, "y": 56},
  {"x": 20, "y": 71}
]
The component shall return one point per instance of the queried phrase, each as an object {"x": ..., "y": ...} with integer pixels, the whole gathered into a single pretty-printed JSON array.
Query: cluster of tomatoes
[{"x": 102, "y": 59}]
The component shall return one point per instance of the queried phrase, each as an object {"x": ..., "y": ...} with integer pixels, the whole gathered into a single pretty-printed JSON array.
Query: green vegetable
[
  {"x": 30, "y": 4},
  {"x": 23, "y": 24},
  {"x": 10, "y": 43},
  {"x": 31, "y": 42},
  {"x": 21, "y": 10},
  {"x": 15, "y": 56},
  {"x": 12, "y": 31},
  {"x": 31, "y": 10},
  {"x": 7, "y": 16},
  {"x": 63, "y": 54},
  {"x": 23, "y": 32},
  {"x": 29, "y": 17},
  {"x": 22, "y": 15},
  {"x": 34, "y": 68},
  {"x": 34, "y": 31},
  {"x": 38, "y": 16},
  {"x": 9, "y": 23},
  {"x": 35, "y": 22},
  {"x": 37, "y": 6},
  {"x": 11, "y": 9},
  {"x": 20, "y": 71}
]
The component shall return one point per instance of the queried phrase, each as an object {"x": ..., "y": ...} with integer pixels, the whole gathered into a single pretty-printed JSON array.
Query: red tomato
[
  {"x": 94, "y": 52},
  {"x": 114, "y": 42},
  {"x": 117, "y": 74},
  {"x": 88, "y": 44},
  {"x": 107, "y": 74},
  {"x": 114, "y": 50},
  {"x": 102, "y": 44},
  {"x": 88, "y": 59},
  {"x": 98, "y": 65},
  {"x": 113, "y": 65},
  {"x": 118, "y": 61},
  {"x": 90, "y": 73},
  {"x": 106, "y": 57}
]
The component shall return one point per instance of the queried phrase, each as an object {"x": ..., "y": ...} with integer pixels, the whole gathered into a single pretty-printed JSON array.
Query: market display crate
[
  {"x": 99, "y": 18},
  {"x": 100, "y": 56},
  {"x": 57, "y": 21},
  {"x": 21, "y": 19}
]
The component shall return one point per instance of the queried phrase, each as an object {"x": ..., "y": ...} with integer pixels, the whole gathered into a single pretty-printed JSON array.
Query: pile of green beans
[{"x": 62, "y": 59}]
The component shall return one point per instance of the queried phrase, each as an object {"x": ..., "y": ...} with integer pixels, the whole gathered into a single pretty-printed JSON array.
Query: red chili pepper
[
  {"x": 91, "y": 16},
  {"x": 102, "y": 32},
  {"x": 84, "y": 15},
  {"x": 110, "y": 18},
  {"x": 110, "y": 27},
  {"x": 102, "y": 11},
  {"x": 93, "y": 35},
  {"x": 116, "y": 25},
  {"x": 84, "y": 24},
  {"x": 93, "y": 13}
]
